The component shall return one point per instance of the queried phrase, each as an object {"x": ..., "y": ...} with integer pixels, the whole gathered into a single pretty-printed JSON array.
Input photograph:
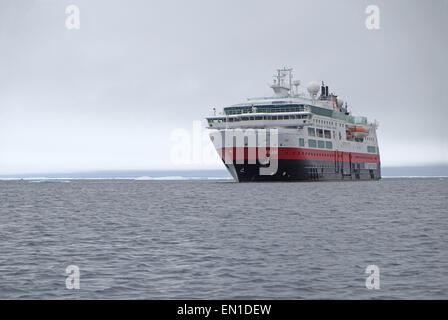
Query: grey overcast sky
[{"x": 109, "y": 95}]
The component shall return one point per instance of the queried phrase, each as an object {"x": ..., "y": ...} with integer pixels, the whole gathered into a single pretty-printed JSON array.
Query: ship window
[
  {"x": 321, "y": 144},
  {"x": 320, "y": 133},
  {"x": 251, "y": 118},
  {"x": 244, "y": 118},
  {"x": 301, "y": 142},
  {"x": 311, "y": 132},
  {"x": 312, "y": 143},
  {"x": 371, "y": 149},
  {"x": 230, "y": 119},
  {"x": 258, "y": 118},
  {"x": 280, "y": 117},
  {"x": 329, "y": 144},
  {"x": 327, "y": 134},
  {"x": 274, "y": 117}
]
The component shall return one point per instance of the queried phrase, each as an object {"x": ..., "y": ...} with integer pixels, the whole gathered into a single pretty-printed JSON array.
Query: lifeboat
[{"x": 359, "y": 132}]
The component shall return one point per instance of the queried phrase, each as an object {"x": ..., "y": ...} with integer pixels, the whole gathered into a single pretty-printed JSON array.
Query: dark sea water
[{"x": 210, "y": 239}]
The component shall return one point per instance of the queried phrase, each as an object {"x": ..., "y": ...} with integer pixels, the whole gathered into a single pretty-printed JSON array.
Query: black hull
[{"x": 305, "y": 170}]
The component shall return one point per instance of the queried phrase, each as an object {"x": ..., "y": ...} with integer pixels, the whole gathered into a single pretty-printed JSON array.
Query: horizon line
[{"x": 404, "y": 171}]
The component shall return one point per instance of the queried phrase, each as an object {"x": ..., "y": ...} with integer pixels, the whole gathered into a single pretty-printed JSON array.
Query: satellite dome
[
  {"x": 296, "y": 83},
  {"x": 340, "y": 102},
  {"x": 313, "y": 88}
]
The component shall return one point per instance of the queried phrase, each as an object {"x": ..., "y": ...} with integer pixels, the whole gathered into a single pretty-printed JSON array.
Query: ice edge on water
[
  {"x": 164, "y": 178},
  {"x": 142, "y": 178}
]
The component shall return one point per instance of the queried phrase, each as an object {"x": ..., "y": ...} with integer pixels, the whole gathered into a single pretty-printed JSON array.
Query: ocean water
[{"x": 216, "y": 239}]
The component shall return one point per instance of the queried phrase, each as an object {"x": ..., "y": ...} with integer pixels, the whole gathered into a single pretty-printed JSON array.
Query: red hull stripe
[{"x": 300, "y": 154}]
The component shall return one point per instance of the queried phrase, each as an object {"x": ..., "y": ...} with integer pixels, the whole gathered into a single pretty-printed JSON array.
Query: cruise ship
[{"x": 295, "y": 135}]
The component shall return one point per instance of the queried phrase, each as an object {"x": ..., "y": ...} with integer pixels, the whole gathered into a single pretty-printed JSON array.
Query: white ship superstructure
[{"x": 316, "y": 137}]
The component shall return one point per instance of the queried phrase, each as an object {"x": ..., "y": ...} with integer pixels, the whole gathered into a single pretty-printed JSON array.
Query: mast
[{"x": 279, "y": 82}]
